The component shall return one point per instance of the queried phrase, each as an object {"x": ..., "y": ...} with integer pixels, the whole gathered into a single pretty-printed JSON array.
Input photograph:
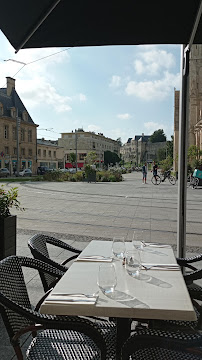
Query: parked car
[
  {"x": 64, "y": 170},
  {"x": 25, "y": 172},
  {"x": 4, "y": 172},
  {"x": 41, "y": 170}
]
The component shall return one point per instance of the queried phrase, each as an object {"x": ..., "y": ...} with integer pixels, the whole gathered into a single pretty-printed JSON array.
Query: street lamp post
[{"x": 76, "y": 147}]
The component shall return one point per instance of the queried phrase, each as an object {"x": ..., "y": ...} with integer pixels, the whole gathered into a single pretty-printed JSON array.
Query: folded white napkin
[
  {"x": 98, "y": 258},
  {"x": 71, "y": 299}
]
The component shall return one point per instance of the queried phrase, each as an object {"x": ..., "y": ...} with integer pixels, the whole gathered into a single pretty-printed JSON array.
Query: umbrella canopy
[{"x": 48, "y": 23}]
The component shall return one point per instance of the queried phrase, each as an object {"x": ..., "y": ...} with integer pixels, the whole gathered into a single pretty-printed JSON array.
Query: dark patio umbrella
[{"x": 48, "y": 23}]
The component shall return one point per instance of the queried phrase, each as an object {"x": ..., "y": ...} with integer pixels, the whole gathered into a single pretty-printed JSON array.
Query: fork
[{"x": 143, "y": 243}]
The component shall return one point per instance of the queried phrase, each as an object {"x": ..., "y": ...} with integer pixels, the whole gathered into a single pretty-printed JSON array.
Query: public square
[{"x": 80, "y": 212}]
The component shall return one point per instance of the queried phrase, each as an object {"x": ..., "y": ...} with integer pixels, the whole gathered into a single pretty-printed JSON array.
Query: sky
[{"x": 120, "y": 91}]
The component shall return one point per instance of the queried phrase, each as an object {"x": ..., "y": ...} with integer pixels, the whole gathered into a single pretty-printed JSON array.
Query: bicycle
[
  {"x": 193, "y": 181},
  {"x": 156, "y": 179},
  {"x": 167, "y": 175}
]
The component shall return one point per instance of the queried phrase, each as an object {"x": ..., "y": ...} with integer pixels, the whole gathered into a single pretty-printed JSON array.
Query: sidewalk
[{"x": 80, "y": 212}]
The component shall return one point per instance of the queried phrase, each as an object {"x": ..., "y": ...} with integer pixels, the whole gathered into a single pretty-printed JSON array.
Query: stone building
[
  {"x": 50, "y": 154},
  {"x": 194, "y": 103},
  {"x": 139, "y": 149},
  {"x": 16, "y": 127},
  {"x": 82, "y": 142}
]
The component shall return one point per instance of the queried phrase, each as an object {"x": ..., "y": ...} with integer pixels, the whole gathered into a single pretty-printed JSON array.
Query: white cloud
[
  {"x": 153, "y": 61},
  {"x": 82, "y": 97},
  {"x": 94, "y": 128},
  {"x": 38, "y": 92},
  {"x": 157, "y": 89},
  {"x": 115, "y": 81},
  {"x": 124, "y": 116},
  {"x": 151, "y": 126}
]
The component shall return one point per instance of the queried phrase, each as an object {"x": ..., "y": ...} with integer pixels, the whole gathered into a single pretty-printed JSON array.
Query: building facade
[
  {"x": 194, "y": 104},
  {"x": 81, "y": 143},
  {"x": 50, "y": 154},
  {"x": 139, "y": 149},
  {"x": 17, "y": 131}
]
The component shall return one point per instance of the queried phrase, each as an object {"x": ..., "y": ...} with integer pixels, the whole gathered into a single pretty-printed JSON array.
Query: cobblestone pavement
[{"x": 80, "y": 212}]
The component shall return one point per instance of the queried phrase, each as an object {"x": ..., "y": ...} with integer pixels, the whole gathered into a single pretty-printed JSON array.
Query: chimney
[{"x": 10, "y": 85}]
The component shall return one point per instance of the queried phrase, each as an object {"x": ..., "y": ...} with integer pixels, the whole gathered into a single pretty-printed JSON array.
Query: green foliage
[
  {"x": 8, "y": 199},
  {"x": 166, "y": 164},
  {"x": 158, "y": 136},
  {"x": 91, "y": 158},
  {"x": 72, "y": 158},
  {"x": 111, "y": 158},
  {"x": 193, "y": 156},
  {"x": 169, "y": 145}
]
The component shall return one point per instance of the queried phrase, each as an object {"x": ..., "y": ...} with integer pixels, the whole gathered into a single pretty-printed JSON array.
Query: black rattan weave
[
  {"x": 64, "y": 335},
  {"x": 157, "y": 345},
  {"x": 192, "y": 274},
  {"x": 38, "y": 246}
]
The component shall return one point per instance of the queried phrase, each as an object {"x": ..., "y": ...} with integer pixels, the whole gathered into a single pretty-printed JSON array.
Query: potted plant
[{"x": 8, "y": 199}]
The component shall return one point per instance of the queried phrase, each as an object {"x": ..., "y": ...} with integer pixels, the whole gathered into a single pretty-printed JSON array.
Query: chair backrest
[
  {"x": 12, "y": 285},
  {"x": 39, "y": 250}
]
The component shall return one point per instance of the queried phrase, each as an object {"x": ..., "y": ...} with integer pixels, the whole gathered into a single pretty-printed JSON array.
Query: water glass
[
  {"x": 132, "y": 263},
  {"x": 107, "y": 278},
  {"x": 137, "y": 236},
  {"x": 118, "y": 247}
]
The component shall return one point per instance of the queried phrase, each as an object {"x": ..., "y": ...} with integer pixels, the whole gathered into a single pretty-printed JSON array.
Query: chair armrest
[
  {"x": 161, "y": 339},
  {"x": 41, "y": 266},
  {"x": 56, "y": 242},
  {"x": 194, "y": 275},
  {"x": 185, "y": 261}
]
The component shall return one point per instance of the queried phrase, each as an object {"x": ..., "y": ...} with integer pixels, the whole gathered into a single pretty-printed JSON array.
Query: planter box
[{"x": 7, "y": 236}]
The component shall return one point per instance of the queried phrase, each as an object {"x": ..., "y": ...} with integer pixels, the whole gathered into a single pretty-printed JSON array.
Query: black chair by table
[
  {"x": 191, "y": 274},
  {"x": 38, "y": 246},
  {"x": 60, "y": 337},
  {"x": 155, "y": 344}
]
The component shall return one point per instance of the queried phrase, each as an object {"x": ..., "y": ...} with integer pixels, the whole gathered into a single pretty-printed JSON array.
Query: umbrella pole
[{"x": 182, "y": 160}]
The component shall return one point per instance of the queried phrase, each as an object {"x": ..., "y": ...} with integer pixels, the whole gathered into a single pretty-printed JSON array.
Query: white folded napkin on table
[
  {"x": 72, "y": 299},
  {"x": 98, "y": 258}
]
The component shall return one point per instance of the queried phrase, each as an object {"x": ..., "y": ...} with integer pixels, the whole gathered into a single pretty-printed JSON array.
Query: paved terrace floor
[{"x": 80, "y": 212}]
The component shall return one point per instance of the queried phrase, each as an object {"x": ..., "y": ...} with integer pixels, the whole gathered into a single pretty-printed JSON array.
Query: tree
[
  {"x": 161, "y": 154},
  {"x": 193, "y": 155},
  {"x": 91, "y": 158},
  {"x": 111, "y": 158},
  {"x": 169, "y": 145},
  {"x": 158, "y": 136},
  {"x": 72, "y": 158},
  {"x": 119, "y": 141}
]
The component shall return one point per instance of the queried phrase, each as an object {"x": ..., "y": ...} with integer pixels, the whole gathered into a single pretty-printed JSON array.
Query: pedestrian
[
  {"x": 155, "y": 168},
  {"x": 144, "y": 173}
]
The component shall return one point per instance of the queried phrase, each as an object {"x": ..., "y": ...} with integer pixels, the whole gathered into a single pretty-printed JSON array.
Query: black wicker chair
[
  {"x": 38, "y": 246},
  {"x": 192, "y": 274},
  {"x": 154, "y": 345},
  {"x": 61, "y": 337}
]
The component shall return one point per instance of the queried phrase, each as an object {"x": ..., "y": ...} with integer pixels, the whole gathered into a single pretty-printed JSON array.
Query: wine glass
[
  {"x": 107, "y": 278},
  {"x": 132, "y": 262},
  {"x": 118, "y": 247}
]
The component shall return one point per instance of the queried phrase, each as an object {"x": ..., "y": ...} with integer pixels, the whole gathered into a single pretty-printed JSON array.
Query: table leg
[{"x": 123, "y": 333}]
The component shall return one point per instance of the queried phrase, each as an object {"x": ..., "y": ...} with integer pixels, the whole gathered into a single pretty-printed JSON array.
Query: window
[
  {"x": 13, "y": 112},
  {"x": 93, "y": 144},
  {"x": 25, "y": 116},
  {"x": 15, "y": 151},
  {"x": 30, "y": 152},
  {"x": 82, "y": 156},
  {"x": 39, "y": 152},
  {"x": 49, "y": 153},
  {"x": 44, "y": 153},
  {"x": 54, "y": 154},
  {"x": 14, "y": 133},
  {"x": 22, "y": 134},
  {"x": 23, "y": 151},
  {"x": 6, "y": 133},
  {"x": 1, "y": 109},
  {"x": 6, "y": 150},
  {"x": 29, "y": 135}
]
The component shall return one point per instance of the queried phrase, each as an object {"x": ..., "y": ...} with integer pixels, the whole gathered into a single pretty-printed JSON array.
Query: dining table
[{"x": 160, "y": 293}]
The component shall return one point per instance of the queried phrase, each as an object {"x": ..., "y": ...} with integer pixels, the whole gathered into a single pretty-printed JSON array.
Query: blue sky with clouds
[{"x": 121, "y": 91}]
